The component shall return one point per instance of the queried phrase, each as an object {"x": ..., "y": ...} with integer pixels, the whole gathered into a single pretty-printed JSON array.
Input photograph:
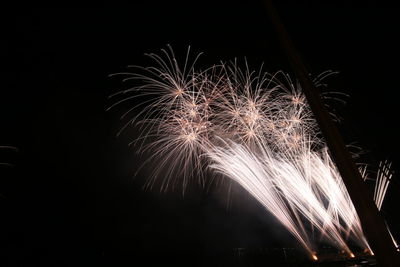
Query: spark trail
[
  {"x": 382, "y": 181},
  {"x": 256, "y": 128}
]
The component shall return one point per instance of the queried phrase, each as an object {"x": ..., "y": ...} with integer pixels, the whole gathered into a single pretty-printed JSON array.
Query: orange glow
[
  {"x": 314, "y": 257},
  {"x": 352, "y": 255}
]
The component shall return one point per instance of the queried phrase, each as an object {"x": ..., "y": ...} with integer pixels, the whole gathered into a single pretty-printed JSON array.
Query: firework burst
[{"x": 256, "y": 129}]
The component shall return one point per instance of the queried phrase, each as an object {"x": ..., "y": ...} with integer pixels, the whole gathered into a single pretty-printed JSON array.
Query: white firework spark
[
  {"x": 248, "y": 170},
  {"x": 296, "y": 186},
  {"x": 175, "y": 113},
  {"x": 383, "y": 178},
  {"x": 255, "y": 128}
]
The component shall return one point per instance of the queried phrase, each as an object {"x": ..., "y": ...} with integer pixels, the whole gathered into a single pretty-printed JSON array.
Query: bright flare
[{"x": 256, "y": 129}]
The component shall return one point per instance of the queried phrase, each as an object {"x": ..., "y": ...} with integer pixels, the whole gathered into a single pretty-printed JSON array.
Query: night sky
[{"x": 71, "y": 198}]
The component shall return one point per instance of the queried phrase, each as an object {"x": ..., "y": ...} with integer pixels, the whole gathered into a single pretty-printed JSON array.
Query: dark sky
[{"x": 71, "y": 200}]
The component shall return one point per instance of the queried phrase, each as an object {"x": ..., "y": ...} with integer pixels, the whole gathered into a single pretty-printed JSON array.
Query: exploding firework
[
  {"x": 256, "y": 129},
  {"x": 303, "y": 186},
  {"x": 382, "y": 181},
  {"x": 175, "y": 112},
  {"x": 383, "y": 178}
]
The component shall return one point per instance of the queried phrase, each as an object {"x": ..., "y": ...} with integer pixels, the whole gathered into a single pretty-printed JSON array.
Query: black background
[{"x": 71, "y": 199}]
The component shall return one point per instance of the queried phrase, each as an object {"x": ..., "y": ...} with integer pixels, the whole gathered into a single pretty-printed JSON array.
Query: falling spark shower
[{"x": 256, "y": 129}]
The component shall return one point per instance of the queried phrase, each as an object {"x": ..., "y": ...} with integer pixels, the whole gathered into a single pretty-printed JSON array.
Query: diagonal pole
[{"x": 371, "y": 221}]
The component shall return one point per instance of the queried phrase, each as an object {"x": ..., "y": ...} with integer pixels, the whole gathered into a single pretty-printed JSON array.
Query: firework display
[{"x": 256, "y": 129}]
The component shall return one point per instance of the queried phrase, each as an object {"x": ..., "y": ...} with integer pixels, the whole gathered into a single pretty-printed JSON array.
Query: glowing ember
[{"x": 314, "y": 257}]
